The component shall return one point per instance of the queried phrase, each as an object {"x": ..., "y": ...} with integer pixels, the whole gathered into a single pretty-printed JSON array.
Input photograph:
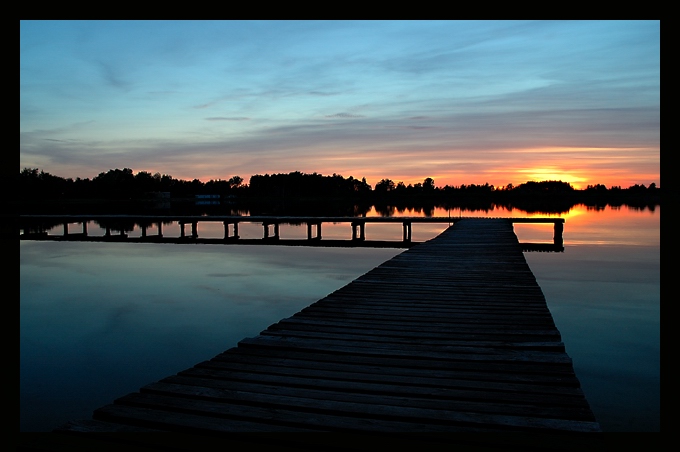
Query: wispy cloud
[
  {"x": 113, "y": 76},
  {"x": 225, "y": 118},
  {"x": 344, "y": 116}
]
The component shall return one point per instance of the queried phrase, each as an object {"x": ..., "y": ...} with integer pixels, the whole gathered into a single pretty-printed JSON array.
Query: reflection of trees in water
[
  {"x": 385, "y": 211},
  {"x": 389, "y": 210},
  {"x": 122, "y": 225},
  {"x": 304, "y": 208},
  {"x": 650, "y": 207},
  {"x": 542, "y": 206}
]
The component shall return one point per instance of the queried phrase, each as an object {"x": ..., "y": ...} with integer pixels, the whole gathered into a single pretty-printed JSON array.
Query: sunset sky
[{"x": 467, "y": 102}]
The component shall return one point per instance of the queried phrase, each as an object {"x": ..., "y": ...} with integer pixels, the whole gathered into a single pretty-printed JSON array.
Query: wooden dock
[
  {"x": 36, "y": 227},
  {"x": 452, "y": 335}
]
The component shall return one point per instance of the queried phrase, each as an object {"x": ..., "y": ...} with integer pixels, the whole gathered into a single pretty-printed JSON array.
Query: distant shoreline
[
  {"x": 121, "y": 191},
  {"x": 322, "y": 206}
]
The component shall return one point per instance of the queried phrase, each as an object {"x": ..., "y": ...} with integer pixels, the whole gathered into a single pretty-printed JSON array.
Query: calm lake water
[{"x": 100, "y": 320}]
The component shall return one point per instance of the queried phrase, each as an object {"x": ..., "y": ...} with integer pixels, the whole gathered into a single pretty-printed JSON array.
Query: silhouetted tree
[
  {"x": 384, "y": 186},
  {"x": 428, "y": 184},
  {"x": 235, "y": 181}
]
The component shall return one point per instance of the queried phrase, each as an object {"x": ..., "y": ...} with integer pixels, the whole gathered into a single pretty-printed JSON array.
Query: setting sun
[{"x": 553, "y": 173}]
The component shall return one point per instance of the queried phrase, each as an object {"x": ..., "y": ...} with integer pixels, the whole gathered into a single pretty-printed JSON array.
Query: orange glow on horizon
[
  {"x": 555, "y": 174},
  {"x": 498, "y": 179},
  {"x": 580, "y": 167}
]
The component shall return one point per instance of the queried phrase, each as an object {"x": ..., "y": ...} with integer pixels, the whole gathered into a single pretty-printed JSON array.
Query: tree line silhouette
[{"x": 288, "y": 192}]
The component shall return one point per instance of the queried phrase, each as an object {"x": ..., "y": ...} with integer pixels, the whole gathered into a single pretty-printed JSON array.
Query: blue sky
[{"x": 461, "y": 102}]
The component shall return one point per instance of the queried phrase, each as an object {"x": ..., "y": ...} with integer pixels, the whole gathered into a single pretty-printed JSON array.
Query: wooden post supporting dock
[
  {"x": 194, "y": 230},
  {"x": 407, "y": 231},
  {"x": 226, "y": 230},
  {"x": 362, "y": 230},
  {"x": 309, "y": 230},
  {"x": 452, "y": 335},
  {"x": 266, "y": 236},
  {"x": 557, "y": 237}
]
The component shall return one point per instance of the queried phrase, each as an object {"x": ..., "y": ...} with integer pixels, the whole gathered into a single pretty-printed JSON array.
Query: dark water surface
[
  {"x": 604, "y": 294},
  {"x": 100, "y": 320}
]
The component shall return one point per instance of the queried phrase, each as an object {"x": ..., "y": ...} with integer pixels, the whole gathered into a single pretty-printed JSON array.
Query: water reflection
[
  {"x": 99, "y": 320},
  {"x": 605, "y": 302}
]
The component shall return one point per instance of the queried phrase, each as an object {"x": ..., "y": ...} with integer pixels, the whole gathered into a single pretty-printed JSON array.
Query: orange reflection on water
[
  {"x": 583, "y": 225},
  {"x": 622, "y": 225},
  {"x": 457, "y": 212},
  {"x": 613, "y": 226}
]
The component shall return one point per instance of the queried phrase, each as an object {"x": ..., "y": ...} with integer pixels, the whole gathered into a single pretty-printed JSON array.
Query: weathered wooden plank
[
  {"x": 162, "y": 409},
  {"x": 431, "y": 312},
  {"x": 264, "y": 394},
  {"x": 378, "y": 409},
  {"x": 368, "y": 339},
  {"x": 435, "y": 296},
  {"x": 406, "y": 350},
  {"x": 366, "y": 374},
  {"x": 424, "y": 330},
  {"x": 405, "y": 300},
  {"x": 310, "y": 381},
  {"x": 477, "y": 320},
  {"x": 534, "y": 371},
  {"x": 507, "y": 321}
]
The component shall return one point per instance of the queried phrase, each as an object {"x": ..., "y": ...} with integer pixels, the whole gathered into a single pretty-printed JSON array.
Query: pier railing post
[
  {"x": 309, "y": 231},
  {"x": 266, "y": 230},
  {"x": 226, "y": 230},
  {"x": 362, "y": 230},
  {"x": 407, "y": 231},
  {"x": 557, "y": 236}
]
